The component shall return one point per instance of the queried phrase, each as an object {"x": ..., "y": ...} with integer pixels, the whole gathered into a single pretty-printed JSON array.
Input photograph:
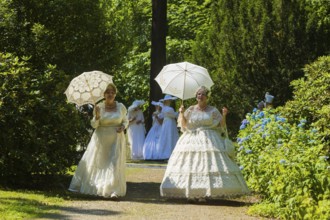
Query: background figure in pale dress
[
  {"x": 150, "y": 144},
  {"x": 136, "y": 130},
  {"x": 269, "y": 100},
  {"x": 199, "y": 166},
  {"x": 101, "y": 171},
  {"x": 268, "y": 103},
  {"x": 169, "y": 134}
]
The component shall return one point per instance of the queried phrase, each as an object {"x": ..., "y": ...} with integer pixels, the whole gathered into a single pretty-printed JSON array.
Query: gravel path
[{"x": 144, "y": 202}]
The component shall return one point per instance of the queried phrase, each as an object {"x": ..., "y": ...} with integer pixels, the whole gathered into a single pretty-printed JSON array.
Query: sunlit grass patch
[{"x": 27, "y": 204}]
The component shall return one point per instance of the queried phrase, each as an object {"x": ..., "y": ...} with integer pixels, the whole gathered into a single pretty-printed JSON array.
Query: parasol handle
[
  {"x": 90, "y": 90},
  {"x": 184, "y": 82}
]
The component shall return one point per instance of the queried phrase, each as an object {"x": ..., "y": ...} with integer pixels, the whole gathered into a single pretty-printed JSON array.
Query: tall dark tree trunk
[{"x": 158, "y": 50}]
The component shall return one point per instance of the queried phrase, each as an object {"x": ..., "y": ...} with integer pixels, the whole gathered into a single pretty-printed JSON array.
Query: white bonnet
[
  {"x": 269, "y": 98},
  {"x": 168, "y": 97},
  {"x": 136, "y": 103}
]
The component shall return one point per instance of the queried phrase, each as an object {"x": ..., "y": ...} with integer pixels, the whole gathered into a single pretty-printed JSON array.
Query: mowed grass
[{"x": 27, "y": 204}]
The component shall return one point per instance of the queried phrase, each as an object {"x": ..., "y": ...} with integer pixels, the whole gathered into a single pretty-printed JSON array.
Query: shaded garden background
[{"x": 249, "y": 48}]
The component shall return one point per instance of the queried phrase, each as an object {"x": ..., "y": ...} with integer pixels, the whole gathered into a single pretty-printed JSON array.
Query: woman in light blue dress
[
  {"x": 150, "y": 144},
  {"x": 169, "y": 133}
]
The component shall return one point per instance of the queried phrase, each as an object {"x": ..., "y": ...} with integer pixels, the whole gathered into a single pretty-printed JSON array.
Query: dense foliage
[
  {"x": 312, "y": 97},
  {"x": 133, "y": 76},
  {"x": 284, "y": 152},
  {"x": 186, "y": 18},
  {"x": 77, "y": 36},
  {"x": 249, "y": 47},
  {"x": 41, "y": 136},
  {"x": 253, "y": 47},
  {"x": 39, "y": 131}
]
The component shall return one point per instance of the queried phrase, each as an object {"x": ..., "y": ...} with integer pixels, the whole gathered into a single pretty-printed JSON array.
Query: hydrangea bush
[
  {"x": 287, "y": 164},
  {"x": 284, "y": 152}
]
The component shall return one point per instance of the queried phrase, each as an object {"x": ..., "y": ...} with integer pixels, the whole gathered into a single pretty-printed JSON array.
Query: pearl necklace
[
  {"x": 201, "y": 109},
  {"x": 110, "y": 107}
]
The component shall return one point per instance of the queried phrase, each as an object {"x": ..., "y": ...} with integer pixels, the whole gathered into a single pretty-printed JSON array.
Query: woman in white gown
[
  {"x": 101, "y": 171},
  {"x": 136, "y": 130},
  {"x": 169, "y": 134},
  {"x": 150, "y": 144},
  {"x": 199, "y": 166}
]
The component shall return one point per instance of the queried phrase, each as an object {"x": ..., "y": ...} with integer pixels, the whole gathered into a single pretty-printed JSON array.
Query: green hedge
[{"x": 39, "y": 131}]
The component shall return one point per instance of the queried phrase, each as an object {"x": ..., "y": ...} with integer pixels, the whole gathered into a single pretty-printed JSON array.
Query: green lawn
[{"x": 27, "y": 204}]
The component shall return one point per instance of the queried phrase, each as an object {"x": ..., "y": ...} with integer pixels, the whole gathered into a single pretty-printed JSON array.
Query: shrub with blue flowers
[{"x": 286, "y": 159}]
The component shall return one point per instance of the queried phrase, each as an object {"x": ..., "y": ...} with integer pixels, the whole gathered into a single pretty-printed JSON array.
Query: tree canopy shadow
[
  {"x": 66, "y": 212},
  {"x": 149, "y": 192}
]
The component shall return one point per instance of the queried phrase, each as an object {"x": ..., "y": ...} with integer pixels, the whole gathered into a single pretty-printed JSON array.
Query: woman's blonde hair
[
  {"x": 111, "y": 86},
  {"x": 204, "y": 89}
]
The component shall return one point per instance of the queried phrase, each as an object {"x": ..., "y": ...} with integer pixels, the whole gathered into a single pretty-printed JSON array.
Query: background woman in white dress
[
  {"x": 101, "y": 171},
  {"x": 136, "y": 130},
  {"x": 199, "y": 166},
  {"x": 150, "y": 144},
  {"x": 169, "y": 134}
]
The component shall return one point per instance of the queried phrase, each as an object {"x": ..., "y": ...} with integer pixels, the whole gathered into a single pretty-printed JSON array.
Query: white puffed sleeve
[
  {"x": 123, "y": 112},
  {"x": 95, "y": 123}
]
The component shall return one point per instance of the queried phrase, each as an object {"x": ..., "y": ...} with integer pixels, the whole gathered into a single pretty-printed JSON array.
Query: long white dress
[
  {"x": 199, "y": 166},
  {"x": 136, "y": 134},
  {"x": 150, "y": 144},
  {"x": 101, "y": 170},
  {"x": 169, "y": 134}
]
